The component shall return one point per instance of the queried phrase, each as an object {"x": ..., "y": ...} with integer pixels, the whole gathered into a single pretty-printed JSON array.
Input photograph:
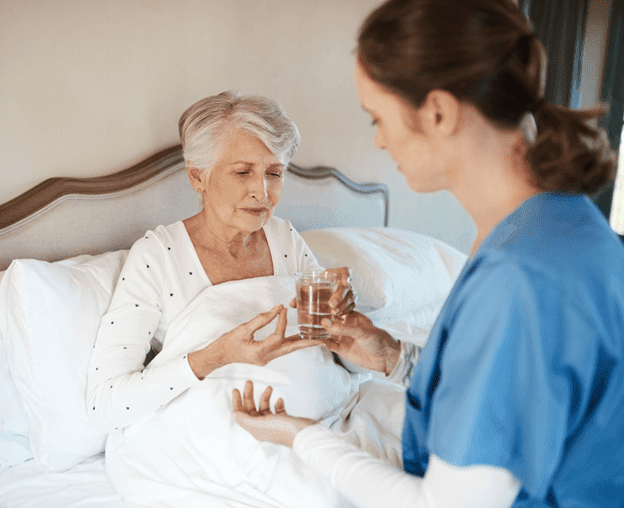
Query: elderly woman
[{"x": 236, "y": 150}]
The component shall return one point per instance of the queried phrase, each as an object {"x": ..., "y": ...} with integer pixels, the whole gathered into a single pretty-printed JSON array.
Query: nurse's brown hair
[{"x": 485, "y": 53}]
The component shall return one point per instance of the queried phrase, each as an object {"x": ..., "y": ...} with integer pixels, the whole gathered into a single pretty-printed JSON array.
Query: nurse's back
[{"x": 576, "y": 264}]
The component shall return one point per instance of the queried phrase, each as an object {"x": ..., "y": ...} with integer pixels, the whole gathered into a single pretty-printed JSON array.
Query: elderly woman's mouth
[{"x": 255, "y": 211}]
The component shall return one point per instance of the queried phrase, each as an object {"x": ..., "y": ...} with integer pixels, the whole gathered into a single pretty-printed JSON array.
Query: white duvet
[{"x": 191, "y": 453}]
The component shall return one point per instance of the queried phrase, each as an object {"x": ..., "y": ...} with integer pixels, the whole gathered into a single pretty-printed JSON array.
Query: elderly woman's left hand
[
  {"x": 342, "y": 300},
  {"x": 278, "y": 427}
]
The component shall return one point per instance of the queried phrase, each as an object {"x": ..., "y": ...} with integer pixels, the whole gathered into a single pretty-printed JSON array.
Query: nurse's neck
[{"x": 495, "y": 181}]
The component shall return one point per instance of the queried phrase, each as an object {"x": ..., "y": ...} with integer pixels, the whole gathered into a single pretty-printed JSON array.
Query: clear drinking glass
[{"x": 314, "y": 288}]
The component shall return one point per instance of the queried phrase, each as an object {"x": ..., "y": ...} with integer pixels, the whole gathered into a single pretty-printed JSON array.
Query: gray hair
[{"x": 207, "y": 124}]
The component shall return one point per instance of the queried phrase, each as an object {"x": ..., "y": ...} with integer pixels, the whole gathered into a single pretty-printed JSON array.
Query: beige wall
[{"x": 88, "y": 87}]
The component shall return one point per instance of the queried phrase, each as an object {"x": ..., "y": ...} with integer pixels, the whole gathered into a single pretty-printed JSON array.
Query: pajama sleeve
[{"x": 120, "y": 390}]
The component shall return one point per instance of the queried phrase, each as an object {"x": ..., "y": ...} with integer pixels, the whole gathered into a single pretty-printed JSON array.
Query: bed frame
[{"x": 63, "y": 217}]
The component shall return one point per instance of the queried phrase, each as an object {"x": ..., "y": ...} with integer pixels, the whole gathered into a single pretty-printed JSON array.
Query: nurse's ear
[{"x": 440, "y": 113}]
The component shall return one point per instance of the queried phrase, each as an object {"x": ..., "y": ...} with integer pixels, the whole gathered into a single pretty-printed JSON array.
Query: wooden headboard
[{"x": 63, "y": 217}]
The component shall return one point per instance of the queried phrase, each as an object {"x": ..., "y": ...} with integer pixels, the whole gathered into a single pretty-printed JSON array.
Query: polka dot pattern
[{"x": 166, "y": 292}]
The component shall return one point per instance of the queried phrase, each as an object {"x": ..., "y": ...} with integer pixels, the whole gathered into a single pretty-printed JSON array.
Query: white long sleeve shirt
[
  {"x": 161, "y": 275},
  {"x": 371, "y": 482}
]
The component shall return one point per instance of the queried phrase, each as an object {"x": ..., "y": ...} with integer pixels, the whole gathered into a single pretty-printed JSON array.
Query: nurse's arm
[{"x": 370, "y": 482}]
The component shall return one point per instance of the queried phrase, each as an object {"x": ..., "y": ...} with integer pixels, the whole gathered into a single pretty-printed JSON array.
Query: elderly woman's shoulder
[
  {"x": 164, "y": 239},
  {"x": 280, "y": 226}
]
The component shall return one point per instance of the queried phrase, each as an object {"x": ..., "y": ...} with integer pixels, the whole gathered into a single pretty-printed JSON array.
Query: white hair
[{"x": 207, "y": 124}]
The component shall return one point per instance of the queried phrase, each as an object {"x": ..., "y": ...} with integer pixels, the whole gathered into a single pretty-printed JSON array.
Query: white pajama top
[{"x": 161, "y": 275}]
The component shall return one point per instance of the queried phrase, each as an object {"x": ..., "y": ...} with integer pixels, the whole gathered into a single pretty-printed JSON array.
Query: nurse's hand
[
  {"x": 356, "y": 339},
  {"x": 279, "y": 427},
  {"x": 343, "y": 300}
]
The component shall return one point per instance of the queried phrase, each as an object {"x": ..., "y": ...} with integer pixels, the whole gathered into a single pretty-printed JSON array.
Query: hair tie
[{"x": 528, "y": 127}]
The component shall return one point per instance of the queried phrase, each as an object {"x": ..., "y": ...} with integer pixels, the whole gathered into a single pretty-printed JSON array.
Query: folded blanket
[{"x": 192, "y": 453}]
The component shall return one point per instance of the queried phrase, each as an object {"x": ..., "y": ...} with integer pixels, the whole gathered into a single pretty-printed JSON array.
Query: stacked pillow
[
  {"x": 14, "y": 443},
  {"x": 49, "y": 317}
]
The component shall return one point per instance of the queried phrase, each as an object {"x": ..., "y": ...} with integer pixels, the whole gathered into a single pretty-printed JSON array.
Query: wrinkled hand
[
  {"x": 279, "y": 427},
  {"x": 239, "y": 345},
  {"x": 356, "y": 339},
  {"x": 342, "y": 300}
]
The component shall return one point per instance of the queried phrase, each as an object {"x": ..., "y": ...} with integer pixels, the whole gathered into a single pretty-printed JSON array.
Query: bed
[{"x": 62, "y": 246}]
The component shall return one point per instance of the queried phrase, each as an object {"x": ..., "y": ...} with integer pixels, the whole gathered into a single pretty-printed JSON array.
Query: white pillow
[
  {"x": 51, "y": 316},
  {"x": 14, "y": 443},
  {"x": 398, "y": 276},
  {"x": 12, "y": 415}
]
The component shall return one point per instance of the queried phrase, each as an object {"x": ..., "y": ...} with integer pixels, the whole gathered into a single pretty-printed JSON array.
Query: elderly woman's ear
[{"x": 195, "y": 177}]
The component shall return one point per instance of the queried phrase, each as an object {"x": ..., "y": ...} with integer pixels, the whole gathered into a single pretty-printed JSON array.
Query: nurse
[{"x": 518, "y": 396}]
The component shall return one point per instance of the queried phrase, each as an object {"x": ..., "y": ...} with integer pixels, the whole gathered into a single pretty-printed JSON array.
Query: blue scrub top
[{"x": 524, "y": 368}]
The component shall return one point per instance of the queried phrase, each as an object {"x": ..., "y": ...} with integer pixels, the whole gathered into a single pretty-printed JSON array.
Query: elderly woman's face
[{"x": 245, "y": 183}]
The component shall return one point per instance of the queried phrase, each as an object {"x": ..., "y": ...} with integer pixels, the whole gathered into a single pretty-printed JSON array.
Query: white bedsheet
[
  {"x": 191, "y": 453},
  {"x": 83, "y": 486}
]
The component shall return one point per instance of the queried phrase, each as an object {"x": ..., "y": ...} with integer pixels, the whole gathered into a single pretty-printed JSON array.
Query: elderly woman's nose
[{"x": 258, "y": 187}]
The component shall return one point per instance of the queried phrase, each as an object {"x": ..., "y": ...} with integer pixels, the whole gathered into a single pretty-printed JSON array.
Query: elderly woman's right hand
[
  {"x": 356, "y": 339},
  {"x": 239, "y": 345}
]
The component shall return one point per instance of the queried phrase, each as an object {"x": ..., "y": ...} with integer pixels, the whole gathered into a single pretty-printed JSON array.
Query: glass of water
[{"x": 314, "y": 289}]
